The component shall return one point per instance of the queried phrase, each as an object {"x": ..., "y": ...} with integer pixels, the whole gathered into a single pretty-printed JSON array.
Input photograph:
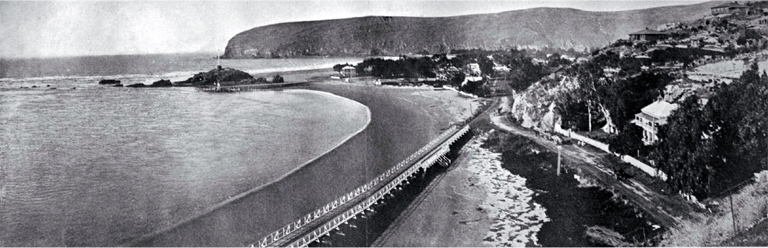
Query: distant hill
[{"x": 530, "y": 28}]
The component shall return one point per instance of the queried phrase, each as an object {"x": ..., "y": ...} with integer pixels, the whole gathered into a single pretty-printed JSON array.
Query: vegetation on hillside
[
  {"x": 705, "y": 149},
  {"x": 450, "y": 70}
]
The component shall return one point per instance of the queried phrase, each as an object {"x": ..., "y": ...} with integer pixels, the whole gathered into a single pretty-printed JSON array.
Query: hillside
[{"x": 529, "y": 28}]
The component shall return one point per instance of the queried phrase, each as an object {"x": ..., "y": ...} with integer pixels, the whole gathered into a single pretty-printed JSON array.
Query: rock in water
[
  {"x": 109, "y": 81},
  {"x": 139, "y": 85},
  {"x": 162, "y": 83},
  {"x": 117, "y": 85},
  {"x": 226, "y": 76}
]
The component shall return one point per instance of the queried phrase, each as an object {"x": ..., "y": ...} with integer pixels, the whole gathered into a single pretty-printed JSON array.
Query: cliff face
[
  {"x": 530, "y": 28},
  {"x": 534, "y": 107}
]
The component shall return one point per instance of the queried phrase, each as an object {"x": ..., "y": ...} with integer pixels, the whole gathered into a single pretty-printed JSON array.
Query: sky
[{"x": 77, "y": 28}]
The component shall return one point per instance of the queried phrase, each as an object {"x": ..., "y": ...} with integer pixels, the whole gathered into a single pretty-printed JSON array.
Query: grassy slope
[{"x": 538, "y": 27}]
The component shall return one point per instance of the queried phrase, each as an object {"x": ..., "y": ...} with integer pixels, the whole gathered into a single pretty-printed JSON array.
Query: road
[{"x": 667, "y": 210}]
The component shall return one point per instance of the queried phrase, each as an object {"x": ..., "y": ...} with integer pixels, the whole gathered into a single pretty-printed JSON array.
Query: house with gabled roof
[
  {"x": 729, "y": 8},
  {"x": 651, "y": 117},
  {"x": 647, "y": 35}
]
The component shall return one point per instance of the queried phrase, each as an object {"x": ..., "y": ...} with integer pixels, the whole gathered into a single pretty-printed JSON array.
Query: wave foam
[{"x": 516, "y": 218}]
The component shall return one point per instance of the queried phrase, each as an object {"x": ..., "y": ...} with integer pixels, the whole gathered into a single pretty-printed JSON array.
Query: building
[
  {"x": 453, "y": 70},
  {"x": 472, "y": 69},
  {"x": 500, "y": 69},
  {"x": 651, "y": 117},
  {"x": 647, "y": 35},
  {"x": 348, "y": 71},
  {"x": 667, "y": 26},
  {"x": 762, "y": 21},
  {"x": 729, "y": 8}
]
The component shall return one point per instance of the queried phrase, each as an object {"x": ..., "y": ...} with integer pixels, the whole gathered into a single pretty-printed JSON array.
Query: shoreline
[
  {"x": 477, "y": 204},
  {"x": 241, "y": 195},
  {"x": 397, "y": 128}
]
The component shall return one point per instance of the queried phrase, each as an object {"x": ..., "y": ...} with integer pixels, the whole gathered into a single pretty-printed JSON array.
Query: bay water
[{"x": 83, "y": 164}]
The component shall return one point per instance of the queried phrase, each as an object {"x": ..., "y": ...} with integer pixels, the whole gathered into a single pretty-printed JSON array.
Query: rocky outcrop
[
  {"x": 109, "y": 81},
  {"x": 162, "y": 83},
  {"x": 138, "y": 85},
  {"x": 117, "y": 85},
  {"x": 225, "y": 76},
  {"x": 534, "y": 107}
]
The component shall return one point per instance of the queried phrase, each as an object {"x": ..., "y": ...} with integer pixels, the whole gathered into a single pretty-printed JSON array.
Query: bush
[{"x": 277, "y": 79}]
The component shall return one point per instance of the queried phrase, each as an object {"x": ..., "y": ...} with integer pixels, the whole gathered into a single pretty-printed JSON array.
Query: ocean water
[{"x": 89, "y": 165}]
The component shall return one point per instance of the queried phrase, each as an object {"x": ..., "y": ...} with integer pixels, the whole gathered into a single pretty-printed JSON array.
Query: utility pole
[
  {"x": 589, "y": 114},
  {"x": 733, "y": 215},
  {"x": 559, "y": 148}
]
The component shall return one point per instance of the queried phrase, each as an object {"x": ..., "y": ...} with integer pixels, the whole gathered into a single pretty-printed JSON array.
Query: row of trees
[
  {"x": 405, "y": 67},
  {"x": 523, "y": 71},
  {"x": 619, "y": 98},
  {"x": 705, "y": 149}
]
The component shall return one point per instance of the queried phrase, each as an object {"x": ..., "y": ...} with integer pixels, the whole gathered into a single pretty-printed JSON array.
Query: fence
[
  {"x": 644, "y": 167},
  {"x": 602, "y": 146},
  {"x": 595, "y": 143}
]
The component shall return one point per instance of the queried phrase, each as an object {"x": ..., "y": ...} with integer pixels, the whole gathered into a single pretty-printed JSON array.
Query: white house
[
  {"x": 472, "y": 69},
  {"x": 651, "y": 117},
  {"x": 348, "y": 71}
]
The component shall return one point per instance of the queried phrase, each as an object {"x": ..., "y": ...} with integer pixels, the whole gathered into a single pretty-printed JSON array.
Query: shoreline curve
[{"x": 246, "y": 193}]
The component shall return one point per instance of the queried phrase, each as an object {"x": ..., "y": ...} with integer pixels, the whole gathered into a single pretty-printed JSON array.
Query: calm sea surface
[{"x": 99, "y": 166}]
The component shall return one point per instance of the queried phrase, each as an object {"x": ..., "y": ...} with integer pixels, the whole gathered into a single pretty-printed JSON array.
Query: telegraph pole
[
  {"x": 589, "y": 114},
  {"x": 559, "y": 148},
  {"x": 733, "y": 215}
]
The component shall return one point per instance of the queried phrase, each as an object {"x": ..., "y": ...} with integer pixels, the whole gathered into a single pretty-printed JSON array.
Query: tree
[
  {"x": 337, "y": 67},
  {"x": 625, "y": 98},
  {"x": 629, "y": 141},
  {"x": 685, "y": 150},
  {"x": 574, "y": 112},
  {"x": 740, "y": 115},
  {"x": 457, "y": 79},
  {"x": 277, "y": 79}
]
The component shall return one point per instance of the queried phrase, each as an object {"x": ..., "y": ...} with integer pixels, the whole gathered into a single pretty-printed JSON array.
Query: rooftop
[
  {"x": 648, "y": 31},
  {"x": 730, "y": 5},
  {"x": 659, "y": 109}
]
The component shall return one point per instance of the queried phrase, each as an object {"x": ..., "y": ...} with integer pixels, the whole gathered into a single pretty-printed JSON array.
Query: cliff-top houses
[{"x": 730, "y": 8}]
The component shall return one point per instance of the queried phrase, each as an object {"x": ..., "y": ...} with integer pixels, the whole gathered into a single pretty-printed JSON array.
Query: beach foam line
[
  {"x": 516, "y": 218},
  {"x": 210, "y": 209}
]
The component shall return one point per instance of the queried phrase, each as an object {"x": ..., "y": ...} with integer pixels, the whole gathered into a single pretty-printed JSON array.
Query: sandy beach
[{"x": 477, "y": 203}]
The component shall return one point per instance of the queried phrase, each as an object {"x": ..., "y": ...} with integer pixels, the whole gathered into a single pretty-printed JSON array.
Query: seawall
[{"x": 397, "y": 128}]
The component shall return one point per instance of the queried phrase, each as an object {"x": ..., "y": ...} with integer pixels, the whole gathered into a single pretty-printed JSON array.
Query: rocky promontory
[
  {"x": 109, "y": 81},
  {"x": 225, "y": 76},
  {"x": 162, "y": 83}
]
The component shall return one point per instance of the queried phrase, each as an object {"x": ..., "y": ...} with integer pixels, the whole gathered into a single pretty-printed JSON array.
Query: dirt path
[{"x": 590, "y": 162}]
